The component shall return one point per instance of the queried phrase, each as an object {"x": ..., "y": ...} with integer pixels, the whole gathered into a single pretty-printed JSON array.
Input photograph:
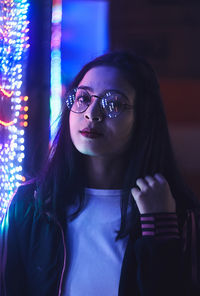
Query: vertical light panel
[
  {"x": 85, "y": 34},
  {"x": 79, "y": 34},
  {"x": 13, "y": 102},
  {"x": 56, "y": 86}
]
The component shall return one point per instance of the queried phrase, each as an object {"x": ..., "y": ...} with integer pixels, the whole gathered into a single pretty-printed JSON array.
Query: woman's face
[{"x": 91, "y": 132}]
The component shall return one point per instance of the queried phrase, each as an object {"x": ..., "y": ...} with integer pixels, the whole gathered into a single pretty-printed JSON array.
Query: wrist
[{"x": 162, "y": 225}]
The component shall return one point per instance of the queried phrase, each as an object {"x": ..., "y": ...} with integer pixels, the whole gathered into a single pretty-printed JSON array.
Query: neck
[{"x": 105, "y": 173}]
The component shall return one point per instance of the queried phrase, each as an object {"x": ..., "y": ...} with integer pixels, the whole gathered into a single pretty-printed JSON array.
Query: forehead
[{"x": 102, "y": 78}]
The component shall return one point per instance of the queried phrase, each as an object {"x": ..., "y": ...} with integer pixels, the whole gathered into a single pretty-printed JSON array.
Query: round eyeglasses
[{"x": 112, "y": 103}]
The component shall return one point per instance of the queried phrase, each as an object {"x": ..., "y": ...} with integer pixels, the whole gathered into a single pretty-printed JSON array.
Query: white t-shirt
[{"x": 95, "y": 257}]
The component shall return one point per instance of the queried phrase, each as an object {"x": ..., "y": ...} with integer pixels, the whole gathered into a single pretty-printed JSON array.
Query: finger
[
  {"x": 142, "y": 184},
  {"x": 160, "y": 178},
  {"x": 135, "y": 192},
  {"x": 150, "y": 180}
]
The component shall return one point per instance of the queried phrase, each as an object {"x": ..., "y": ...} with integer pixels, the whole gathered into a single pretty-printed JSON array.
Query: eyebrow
[
  {"x": 90, "y": 89},
  {"x": 85, "y": 87}
]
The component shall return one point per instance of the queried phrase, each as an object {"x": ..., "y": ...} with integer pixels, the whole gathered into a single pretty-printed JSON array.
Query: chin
[{"x": 90, "y": 151}]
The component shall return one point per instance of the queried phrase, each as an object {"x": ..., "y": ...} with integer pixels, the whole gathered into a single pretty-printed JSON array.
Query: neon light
[
  {"x": 13, "y": 47},
  {"x": 56, "y": 86},
  {"x": 7, "y": 123},
  {"x": 6, "y": 93}
]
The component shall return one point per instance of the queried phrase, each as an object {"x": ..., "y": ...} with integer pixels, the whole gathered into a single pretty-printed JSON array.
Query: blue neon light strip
[
  {"x": 56, "y": 85},
  {"x": 79, "y": 34}
]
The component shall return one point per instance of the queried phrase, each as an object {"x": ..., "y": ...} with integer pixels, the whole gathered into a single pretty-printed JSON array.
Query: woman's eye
[{"x": 83, "y": 99}]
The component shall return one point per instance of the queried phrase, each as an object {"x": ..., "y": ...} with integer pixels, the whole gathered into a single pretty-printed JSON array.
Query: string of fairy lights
[{"x": 14, "y": 44}]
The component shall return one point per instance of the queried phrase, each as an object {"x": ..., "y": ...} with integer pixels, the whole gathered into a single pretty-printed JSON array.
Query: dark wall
[{"x": 167, "y": 32}]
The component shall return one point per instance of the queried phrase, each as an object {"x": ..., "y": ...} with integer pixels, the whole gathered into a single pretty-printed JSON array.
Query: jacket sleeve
[
  {"x": 159, "y": 256},
  {"x": 191, "y": 250},
  {"x": 12, "y": 266}
]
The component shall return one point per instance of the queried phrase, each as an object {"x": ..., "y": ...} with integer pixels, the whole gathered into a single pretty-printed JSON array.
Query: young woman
[{"x": 110, "y": 214}]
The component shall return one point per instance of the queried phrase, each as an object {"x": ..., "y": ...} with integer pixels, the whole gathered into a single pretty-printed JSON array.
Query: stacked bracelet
[{"x": 164, "y": 225}]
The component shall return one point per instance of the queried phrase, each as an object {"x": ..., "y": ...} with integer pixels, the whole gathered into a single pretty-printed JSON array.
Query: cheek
[
  {"x": 122, "y": 132},
  {"x": 125, "y": 127},
  {"x": 74, "y": 121},
  {"x": 70, "y": 121},
  {"x": 73, "y": 124}
]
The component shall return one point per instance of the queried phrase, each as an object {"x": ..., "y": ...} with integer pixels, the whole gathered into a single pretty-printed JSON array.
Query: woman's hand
[{"x": 154, "y": 195}]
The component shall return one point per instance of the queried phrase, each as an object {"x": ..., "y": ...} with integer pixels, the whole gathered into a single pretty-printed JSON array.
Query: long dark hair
[{"x": 62, "y": 181}]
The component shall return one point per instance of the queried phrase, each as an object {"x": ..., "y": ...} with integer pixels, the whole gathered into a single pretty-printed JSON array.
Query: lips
[{"x": 91, "y": 133}]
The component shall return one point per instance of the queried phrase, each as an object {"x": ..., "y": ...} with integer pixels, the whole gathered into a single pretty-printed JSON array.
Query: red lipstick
[{"x": 90, "y": 133}]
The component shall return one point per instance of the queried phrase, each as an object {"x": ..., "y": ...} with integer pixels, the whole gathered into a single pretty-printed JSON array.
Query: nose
[{"x": 93, "y": 112}]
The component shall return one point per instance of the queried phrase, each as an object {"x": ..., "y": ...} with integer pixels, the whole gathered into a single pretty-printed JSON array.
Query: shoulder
[
  {"x": 23, "y": 202},
  {"x": 20, "y": 214},
  {"x": 24, "y": 193}
]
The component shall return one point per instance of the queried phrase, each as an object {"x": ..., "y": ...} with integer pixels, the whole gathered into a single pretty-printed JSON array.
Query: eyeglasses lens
[
  {"x": 82, "y": 101},
  {"x": 111, "y": 103}
]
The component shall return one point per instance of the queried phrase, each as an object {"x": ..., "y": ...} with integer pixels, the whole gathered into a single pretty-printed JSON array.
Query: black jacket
[{"x": 33, "y": 255}]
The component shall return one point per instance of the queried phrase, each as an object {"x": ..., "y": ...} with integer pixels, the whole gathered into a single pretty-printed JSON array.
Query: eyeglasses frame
[{"x": 126, "y": 106}]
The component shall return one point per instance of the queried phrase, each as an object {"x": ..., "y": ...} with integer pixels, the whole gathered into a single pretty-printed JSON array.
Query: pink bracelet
[{"x": 163, "y": 225}]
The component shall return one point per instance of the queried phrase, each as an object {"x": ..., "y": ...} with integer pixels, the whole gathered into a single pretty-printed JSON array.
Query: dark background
[{"x": 167, "y": 33}]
